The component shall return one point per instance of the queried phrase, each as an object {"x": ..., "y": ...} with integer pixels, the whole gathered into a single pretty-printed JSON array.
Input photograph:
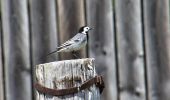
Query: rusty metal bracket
[{"x": 97, "y": 80}]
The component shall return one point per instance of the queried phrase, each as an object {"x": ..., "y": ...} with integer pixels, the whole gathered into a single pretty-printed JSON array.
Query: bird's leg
[{"x": 74, "y": 54}]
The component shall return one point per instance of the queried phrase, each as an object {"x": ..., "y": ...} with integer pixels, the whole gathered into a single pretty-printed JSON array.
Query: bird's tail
[{"x": 51, "y": 53}]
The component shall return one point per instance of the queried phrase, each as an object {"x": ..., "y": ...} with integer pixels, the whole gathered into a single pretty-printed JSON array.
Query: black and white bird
[{"x": 76, "y": 43}]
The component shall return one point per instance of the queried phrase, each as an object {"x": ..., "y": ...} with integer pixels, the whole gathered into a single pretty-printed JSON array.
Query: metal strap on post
[{"x": 97, "y": 80}]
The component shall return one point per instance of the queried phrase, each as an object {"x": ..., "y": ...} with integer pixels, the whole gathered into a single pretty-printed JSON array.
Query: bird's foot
[{"x": 74, "y": 54}]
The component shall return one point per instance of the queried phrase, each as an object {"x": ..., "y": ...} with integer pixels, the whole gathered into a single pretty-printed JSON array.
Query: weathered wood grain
[
  {"x": 65, "y": 74},
  {"x": 43, "y": 30},
  {"x": 102, "y": 44},
  {"x": 157, "y": 39},
  {"x": 16, "y": 49},
  {"x": 1, "y": 66},
  {"x": 130, "y": 50},
  {"x": 71, "y": 16}
]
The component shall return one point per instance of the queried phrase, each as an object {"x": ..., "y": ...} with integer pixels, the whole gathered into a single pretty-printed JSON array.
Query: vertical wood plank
[
  {"x": 130, "y": 50},
  {"x": 16, "y": 49},
  {"x": 1, "y": 65},
  {"x": 70, "y": 18},
  {"x": 43, "y": 30},
  {"x": 150, "y": 46},
  {"x": 157, "y": 39},
  {"x": 102, "y": 44}
]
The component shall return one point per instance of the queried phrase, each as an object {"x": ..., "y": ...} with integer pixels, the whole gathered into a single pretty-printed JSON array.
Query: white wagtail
[{"x": 75, "y": 43}]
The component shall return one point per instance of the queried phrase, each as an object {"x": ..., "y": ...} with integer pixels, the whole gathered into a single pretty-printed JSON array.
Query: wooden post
[{"x": 66, "y": 74}]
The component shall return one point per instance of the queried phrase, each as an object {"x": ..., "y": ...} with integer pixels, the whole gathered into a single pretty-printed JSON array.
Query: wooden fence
[{"x": 130, "y": 44}]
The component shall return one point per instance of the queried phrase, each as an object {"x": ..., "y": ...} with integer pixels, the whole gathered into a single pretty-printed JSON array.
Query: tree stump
[{"x": 67, "y": 74}]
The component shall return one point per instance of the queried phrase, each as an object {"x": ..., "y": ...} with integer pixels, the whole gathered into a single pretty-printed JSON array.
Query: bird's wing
[
  {"x": 68, "y": 43},
  {"x": 73, "y": 40}
]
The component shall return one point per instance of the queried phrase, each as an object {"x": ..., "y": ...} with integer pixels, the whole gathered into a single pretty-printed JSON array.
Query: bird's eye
[{"x": 86, "y": 28}]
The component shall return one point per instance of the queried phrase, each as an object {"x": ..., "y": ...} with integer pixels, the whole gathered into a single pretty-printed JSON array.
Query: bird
[{"x": 75, "y": 43}]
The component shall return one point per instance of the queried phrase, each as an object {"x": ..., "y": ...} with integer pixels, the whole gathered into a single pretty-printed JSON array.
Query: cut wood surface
[
  {"x": 71, "y": 16},
  {"x": 102, "y": 43},
  {"x": 65, "y": 74},
  {"x": 16, "y": 49},
  {"x": 130, "y": 50}
]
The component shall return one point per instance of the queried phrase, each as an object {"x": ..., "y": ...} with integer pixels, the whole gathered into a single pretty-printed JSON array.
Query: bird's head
[{"x": 84, "y": 29}]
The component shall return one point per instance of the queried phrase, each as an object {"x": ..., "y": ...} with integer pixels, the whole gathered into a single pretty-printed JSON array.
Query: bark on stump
[{"x": 65, "y": 74}]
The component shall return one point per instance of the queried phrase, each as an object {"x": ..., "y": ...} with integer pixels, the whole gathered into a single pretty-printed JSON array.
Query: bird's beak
[{"x": 91, "y": 28}]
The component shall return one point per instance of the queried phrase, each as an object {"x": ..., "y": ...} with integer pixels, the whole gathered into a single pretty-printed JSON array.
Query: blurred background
[{"x": 130, "y": 43}]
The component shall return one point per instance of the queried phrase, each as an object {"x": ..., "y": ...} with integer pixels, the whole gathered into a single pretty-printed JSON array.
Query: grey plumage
[{"x": 76, "y": 43}]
